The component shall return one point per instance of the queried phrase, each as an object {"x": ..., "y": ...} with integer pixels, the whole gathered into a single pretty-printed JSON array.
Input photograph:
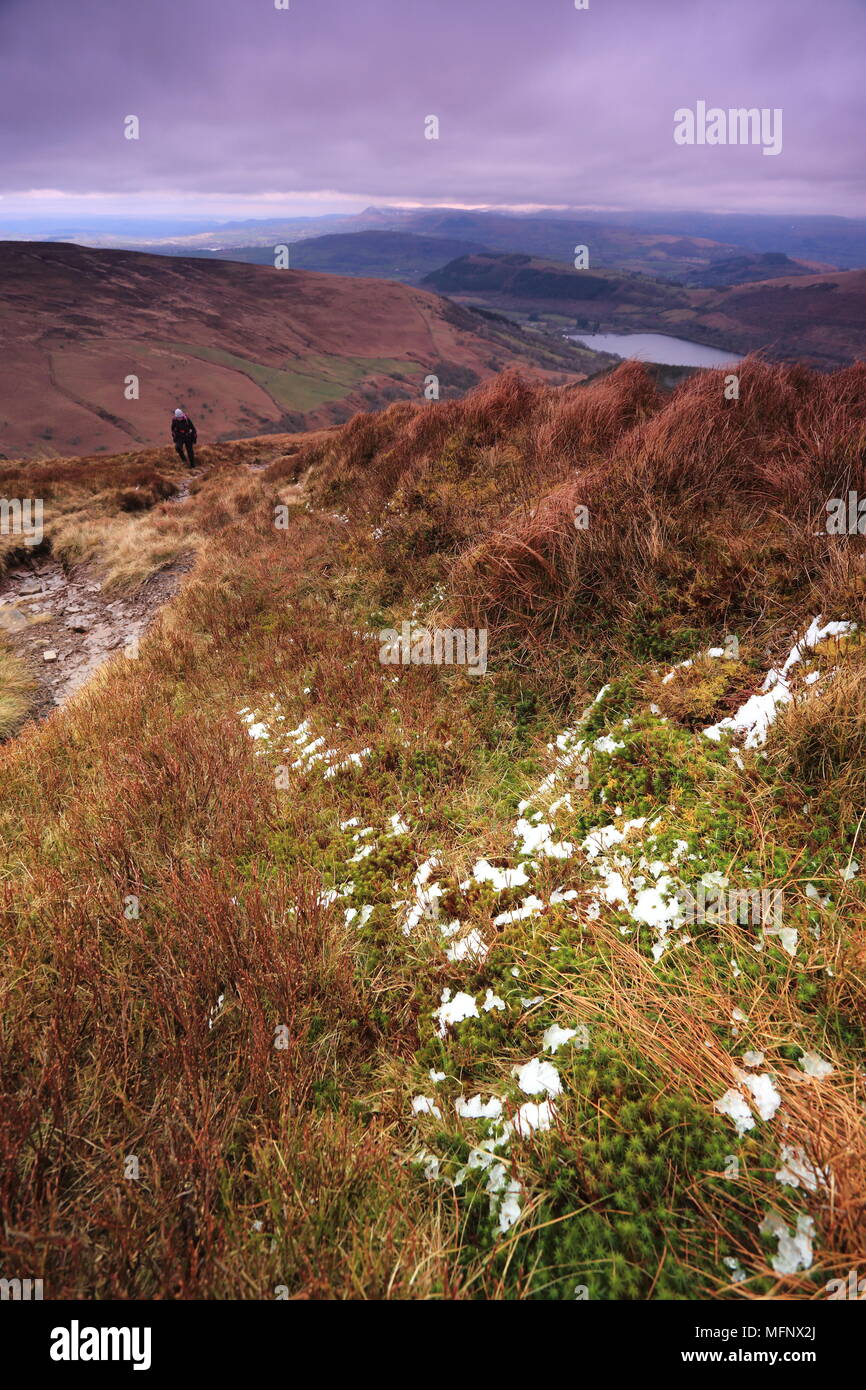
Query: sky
[{"x": 246, "y": 110}]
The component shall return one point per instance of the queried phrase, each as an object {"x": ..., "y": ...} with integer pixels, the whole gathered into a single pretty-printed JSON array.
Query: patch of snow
[
  {"x": 797, "y": 1171},
  {"x": 754, "y": 718},
  {"x": 555, "y": 1037},
  {"x": 814, "y": 1064},
  {"x": 470, "y": 947},
  {"x": 509, "y": 1210},
  {"x": 794, "y": 1250},
  {"x": 766, "y": 1098},
  {"x": 531, "y": 906},
  {"x": 492, "y": 1001},
  {"x": 537, "y": 839},
  {"x": 734, "y": 1104},
  {"x": 483, "y": 872},
  {"x": 534, "y": 1116},
  {"x": 473, "y": 1109},
  {"x": 538, "y": 1078},
  {"x": 753, "y": 1059},
  {"x": 738, "y": 1274},
  {"x": 425, "y": 1105},
  {"x": 452, "y": 1011}
]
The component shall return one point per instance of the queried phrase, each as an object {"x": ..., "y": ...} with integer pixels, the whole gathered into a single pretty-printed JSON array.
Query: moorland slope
[
  {"x": 246, "y": 349},
  {"x": 331, "y": 976}
]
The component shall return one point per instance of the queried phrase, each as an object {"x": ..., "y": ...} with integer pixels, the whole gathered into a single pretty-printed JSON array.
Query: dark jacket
[{"x": 183, "y": 431}]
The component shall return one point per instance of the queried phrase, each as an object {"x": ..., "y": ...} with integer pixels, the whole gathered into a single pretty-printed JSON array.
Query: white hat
[{"x": 178, "y": 414}]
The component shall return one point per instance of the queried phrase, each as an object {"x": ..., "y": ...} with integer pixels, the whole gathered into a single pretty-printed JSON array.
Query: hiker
[{"x": 183, "y": 432}]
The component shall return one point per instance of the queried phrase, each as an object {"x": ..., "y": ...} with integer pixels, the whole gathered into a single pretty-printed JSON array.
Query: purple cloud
[{"x": 243, "y": 106}]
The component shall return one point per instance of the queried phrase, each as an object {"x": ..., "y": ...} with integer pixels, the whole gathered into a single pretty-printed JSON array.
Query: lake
[{"x": 656, "y": 347}]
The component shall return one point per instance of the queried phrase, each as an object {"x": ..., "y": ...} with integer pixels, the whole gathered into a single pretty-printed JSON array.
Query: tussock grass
[
  {"x": 229, "y": 1131},
  {"x": 16, "y": 687},
  {"x": 122, "y": 512},
  {"x": 822, "y": 742}
]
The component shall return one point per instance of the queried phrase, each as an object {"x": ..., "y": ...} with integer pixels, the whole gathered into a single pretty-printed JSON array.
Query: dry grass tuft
[{"x": 16, "y": 688}]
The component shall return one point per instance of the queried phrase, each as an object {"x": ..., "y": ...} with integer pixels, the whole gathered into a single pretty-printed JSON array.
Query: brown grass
[
  {"x": 113, "y": 1044},
  {"x": 675, "y": 1030},
  {"x": 16, "y": 687},
  {"x": 263, "y": 1168}
]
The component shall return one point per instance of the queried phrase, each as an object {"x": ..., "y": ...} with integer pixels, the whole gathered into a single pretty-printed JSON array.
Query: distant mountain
[
  {"x": 674, "y": 245},
  {"x": 404, "y": 256},
  {"x": 247, "y": 349},
  {"x": 838, "y": 241},
  {"x": 514, "y": 279},
  {"x": 739, "y": 270},
  {"x": 552, "y": 236},
  {"x": 556, "y": 237}
]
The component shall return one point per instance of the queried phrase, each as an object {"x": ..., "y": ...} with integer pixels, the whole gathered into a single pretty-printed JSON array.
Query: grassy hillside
[
  {"x": 364, "y": 980},
  {"x": 102, "y": 345},
  {"x": 817, "y": 318}
]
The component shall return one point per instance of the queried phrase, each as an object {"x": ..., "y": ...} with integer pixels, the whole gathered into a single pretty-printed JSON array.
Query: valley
[
  {"x": 102, "y": 345},
  {"x": 819, "y": 319}
]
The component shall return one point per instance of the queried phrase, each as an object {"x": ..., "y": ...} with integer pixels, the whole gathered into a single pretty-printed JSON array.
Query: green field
[{"x": 317, "y": 380}]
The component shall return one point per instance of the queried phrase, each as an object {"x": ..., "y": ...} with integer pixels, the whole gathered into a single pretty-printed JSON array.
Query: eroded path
[{"x": 65, "y": 627}]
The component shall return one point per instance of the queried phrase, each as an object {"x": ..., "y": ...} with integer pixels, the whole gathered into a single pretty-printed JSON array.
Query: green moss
[{"x": 620, "y": 1188}]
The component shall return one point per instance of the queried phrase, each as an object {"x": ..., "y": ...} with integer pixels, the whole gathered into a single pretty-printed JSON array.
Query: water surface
[{"x": 656, "y": 347}]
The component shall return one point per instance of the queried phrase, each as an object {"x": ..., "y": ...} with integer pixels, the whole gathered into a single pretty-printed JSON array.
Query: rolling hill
[
  {"x": 819, "y": 319},
  {"x": 247, "y": 349},
  {"x": 670, "y": 256},
  {"x": 503, "y": 280},
  {"x": 405, "y": 256},
  {"x": 554, "y": 236},
  {"x": 816, "y": 318},
  {"x": 669, "y": 253},
  {"x": 809, "y": 237},
  {"x": 673, "y": 245},
  {"x": 765, "y": 265}
]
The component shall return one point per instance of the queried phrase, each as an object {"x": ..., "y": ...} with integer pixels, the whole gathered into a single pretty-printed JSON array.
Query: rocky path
[{"x": 65, "y": 627}]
